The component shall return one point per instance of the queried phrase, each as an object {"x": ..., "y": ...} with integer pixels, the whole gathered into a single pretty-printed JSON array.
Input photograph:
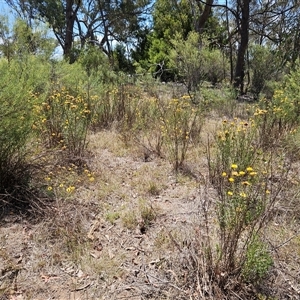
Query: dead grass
[{"x": 138, "y": 231}]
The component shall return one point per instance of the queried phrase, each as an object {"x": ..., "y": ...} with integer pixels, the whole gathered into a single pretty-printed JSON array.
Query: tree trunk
[
  {"x": 70, "y": 20},
  {"x": 243, "y": 46},
  {"x": 204, "y": 17},
  {"x": 229, "y": 43}
]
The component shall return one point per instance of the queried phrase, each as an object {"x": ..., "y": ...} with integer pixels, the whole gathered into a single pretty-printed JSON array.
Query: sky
[{"x": 5, "y": 10}]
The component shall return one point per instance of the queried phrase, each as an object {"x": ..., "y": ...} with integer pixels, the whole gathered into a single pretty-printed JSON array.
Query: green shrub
[
  {"x": 77, "y": 99},
  {"x": 240, "y": 172},
  {"x": 196, "y": 62},
  {"x": 96, "y": 67},
  {"x": 263, "y": 67},
  {"x": 214, "y": 65},
  {"x": 180, "y": 122},
  {"x": 258, "y": 261},
  {"x": 19, "y": 82},
  {"x": 278, "y": 117},
  {"x": 63, "y": 120}
]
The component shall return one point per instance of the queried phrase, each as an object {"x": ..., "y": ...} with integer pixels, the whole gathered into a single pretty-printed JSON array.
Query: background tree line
[{"x": 245, "y": 42}]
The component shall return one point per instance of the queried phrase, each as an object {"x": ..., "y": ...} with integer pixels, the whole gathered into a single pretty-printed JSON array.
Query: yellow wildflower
[
  {"x": 70, "y": 189},
  {"x": 253, "y": 173},
  {"x": 234, "y": 166},
  {"x": 246, "y": 183}
]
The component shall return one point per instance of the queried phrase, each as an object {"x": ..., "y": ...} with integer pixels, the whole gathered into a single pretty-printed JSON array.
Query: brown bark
[
  {"x": 204, "y": 16},
  {"x": 243, "y": 46},
  {"x": 70, "y": 20}
]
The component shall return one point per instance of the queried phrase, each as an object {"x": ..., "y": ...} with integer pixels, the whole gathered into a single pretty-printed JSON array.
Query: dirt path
[
  {"x": 129, "y": 233},
  {"x": 111, "y": 240}
]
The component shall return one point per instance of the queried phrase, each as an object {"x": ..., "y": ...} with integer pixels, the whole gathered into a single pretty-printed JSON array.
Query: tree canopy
[{"x": 141, "y": 33}]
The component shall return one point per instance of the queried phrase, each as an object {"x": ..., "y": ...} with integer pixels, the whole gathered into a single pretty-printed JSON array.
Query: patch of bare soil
[
  {"x": 111, "y": 240},
  {"x": 115, "y": 239}
]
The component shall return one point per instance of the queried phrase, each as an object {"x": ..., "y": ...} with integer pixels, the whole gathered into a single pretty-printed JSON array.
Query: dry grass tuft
[{"x": 124, "y": 225}]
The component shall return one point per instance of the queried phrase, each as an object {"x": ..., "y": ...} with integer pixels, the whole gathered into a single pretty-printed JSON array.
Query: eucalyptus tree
[
  {"x": 203, "y": 15},
  {"x": 20, "y": 39},
  {"x": 242, "y": 19},
  {"x": 75, "y": 22},
  {"x": 274, "y": 23},
  {"x": 277, "y": 24},
  {"x": 237, "y": 13},
  {"x": 59, "y": 15},
  {"x": 178, "y": 18}
]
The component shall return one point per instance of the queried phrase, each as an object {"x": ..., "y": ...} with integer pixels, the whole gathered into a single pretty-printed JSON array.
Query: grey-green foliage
[
  {"x": 19, "y": 81},
  {"x": 264, "y": 66},
  {"x": 96, "y": 64},
  {"x": 22, "y": 75},
  {"x": 214, "y": 64},
  {"x": 196, "y": 61},
  {"x": 258, "y": 261},
  {"x": 19, "y": 40}
]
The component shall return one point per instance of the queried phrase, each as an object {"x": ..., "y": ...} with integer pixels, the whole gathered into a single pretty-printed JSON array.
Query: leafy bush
[
  {"x": 96, "y": 66},
  {"x": 196, "y": 62},
  {"x": 263, "y": 66},
  {"x": 258, "y": 261},
  {"x": 214, "y": 65},
  {"x": 63, "y": 112},
  {"x": 186, "y": 57},
  {"x": 77, "y": 99},
  {"x": 278, "y": 117},
  {"x": 64, "y": 119},
  {"x": 19, "y": 83},
  {"x": 240, "y": 172},
  {"x": 180, "y": 122}
]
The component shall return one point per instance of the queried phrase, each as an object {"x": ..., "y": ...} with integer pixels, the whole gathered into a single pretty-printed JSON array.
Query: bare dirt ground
[
  {"x": 116, "y": 237},
  {"x": 111, "y": 239}
]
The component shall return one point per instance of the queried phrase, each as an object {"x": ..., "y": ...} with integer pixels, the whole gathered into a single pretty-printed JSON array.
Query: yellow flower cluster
[
  {"x": 280, "y": 109},
  {"x": 90, "y": 175},
  {"x": 54, "y": 182},
  {"x": 62, "y": 180},
  {"x": 242, "y": 179},
  {"x": 61, "y": 117},
  {"x": 260, "y": 112},
  {"x": 231, "y": 129}
]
